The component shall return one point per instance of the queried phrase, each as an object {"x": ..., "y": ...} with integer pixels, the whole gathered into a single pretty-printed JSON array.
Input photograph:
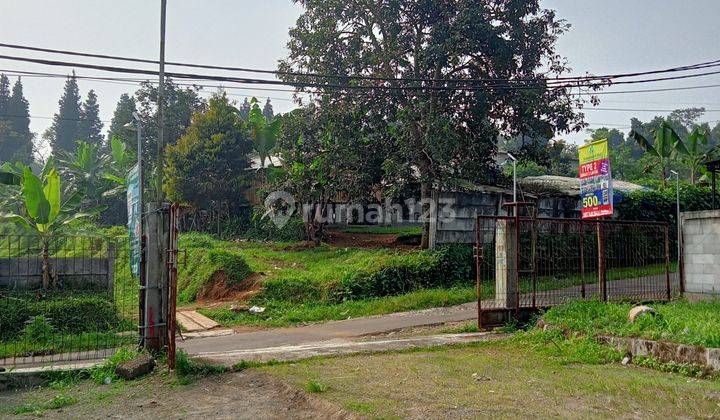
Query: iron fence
[
  {"x": 526, "y": 262},
  {"x": 65, "y": 298}
]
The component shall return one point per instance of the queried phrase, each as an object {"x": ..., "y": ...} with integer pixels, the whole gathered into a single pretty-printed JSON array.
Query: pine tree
[
  {"x": 90, "y": 127},
  {"x": 245, "y": 110},
  {"x": 268, "y": 111},
  {"x": 4, "y": 95},
  {"x": 64, "y": 130},
  {"x": 18, "y": 110},
  {"x": 123, "y": 115}
]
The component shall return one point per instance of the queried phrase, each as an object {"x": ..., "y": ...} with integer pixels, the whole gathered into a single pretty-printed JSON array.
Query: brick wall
[{"x": 701, "y": 252}]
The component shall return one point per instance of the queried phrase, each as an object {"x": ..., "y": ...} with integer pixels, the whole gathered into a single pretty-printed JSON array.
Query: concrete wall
[
  {"x": 25, "y": 273},
  {"x": 468, "y": 205},
  {"x": 701, "y": 253}
]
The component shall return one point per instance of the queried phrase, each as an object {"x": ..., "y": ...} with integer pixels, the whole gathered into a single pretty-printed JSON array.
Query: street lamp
[
  {"x": 677, "y": 210},
  {"x": 514, "y": 162}
]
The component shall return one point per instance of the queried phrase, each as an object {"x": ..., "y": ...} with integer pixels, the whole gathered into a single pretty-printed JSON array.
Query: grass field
[
  {"x": 282, "y": 314},
  {"x": 529, "y": 376},
  {"x": 683, "y": 322},
  {"x": 384, "y": 230}
]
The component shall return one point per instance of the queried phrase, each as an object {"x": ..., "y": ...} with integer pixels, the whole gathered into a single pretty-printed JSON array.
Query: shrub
[
  {"x": 205, "y": 261},
  {"x": 71, "y": 315},
  {"x": 446, "y": 267},
  {"x": 263, "y": 229},
  {"x": 38, "y": 331}
]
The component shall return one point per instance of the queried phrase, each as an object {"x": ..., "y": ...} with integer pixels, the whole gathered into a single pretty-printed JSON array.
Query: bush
[
  {"x": 38, "y": 331},
  {"x": 263, "y": 229},
  {"x": 205, "y": 261},
  {"x": 446, "y": 267},
  {"x": 71, "y": 315}
]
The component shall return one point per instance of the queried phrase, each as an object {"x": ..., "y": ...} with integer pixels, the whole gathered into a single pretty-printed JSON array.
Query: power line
[
  {"x": 640, "y": 110},
  {"x": 587, "y": 78},
  {"x": 548, "y": 83}
]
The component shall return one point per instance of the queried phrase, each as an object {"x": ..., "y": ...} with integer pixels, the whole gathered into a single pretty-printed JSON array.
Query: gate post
[
  {"x": 506, "y": 279},
  {"x": 602, "y": 278},
  {"x": 667, "y": 263},
  {"x": 156, "y": 277}
]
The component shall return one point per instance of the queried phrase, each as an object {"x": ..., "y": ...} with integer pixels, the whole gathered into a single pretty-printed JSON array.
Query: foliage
[
  {"x": 90, "y": 127},
  {"x": 122, "y": 116},
  {"x": 424, "y": 135},
  {"x": 264, "y": 131},
  {"x": 185, "y": 366},
  {"x": 694, "y": 152},
  {"x": 38, "y": 330},
  {"x": 15, "y": 136},
  {"x": 663, "y": 147},
  {"x": 208, "y": 164},
  {"x": 262, "y": 228},
  {"x": 316, "y": 387},
  {"x": 682, "y": 322},
  {"x": 72, "y": 315},
  {"x": 107, "y": 370},
  {"x": 207, "y": 264},
  {"x": 63, "y": 133}
]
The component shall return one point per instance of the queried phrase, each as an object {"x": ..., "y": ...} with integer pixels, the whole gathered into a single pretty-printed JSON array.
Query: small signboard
[
  {"x": 134, "y": 207},
  {"x": 595, "y": 180}
]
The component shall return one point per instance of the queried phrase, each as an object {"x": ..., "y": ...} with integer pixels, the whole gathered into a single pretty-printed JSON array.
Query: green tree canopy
[
  {"x": 208, "y": 164},
  {"x": 443, "y": 135},
  {"x": 16, "y": 140},
  {"x": 63, "y": 133},
  {"x": 90, "y": 127},
  {"x": 123, "y": 115}
]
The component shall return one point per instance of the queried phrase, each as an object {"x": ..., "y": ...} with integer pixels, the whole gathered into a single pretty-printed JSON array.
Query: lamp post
[
  {"x": 514, "y": 161},
  {"x": 677, "y": 211}
]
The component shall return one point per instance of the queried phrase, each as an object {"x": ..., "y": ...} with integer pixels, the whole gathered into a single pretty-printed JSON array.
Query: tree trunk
[
  {"x": 425, "y": 211},
  {"x": 45, "y": 264}
]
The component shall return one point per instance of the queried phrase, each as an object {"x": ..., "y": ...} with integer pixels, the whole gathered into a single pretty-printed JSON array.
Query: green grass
[
  {"x": 536, "y": 374},
  {"x": 62, "y": 343},
  {"x": 386, "y": 230},
  {"x": 681, "y": 322},
  {"x": 282, "y": 314}
]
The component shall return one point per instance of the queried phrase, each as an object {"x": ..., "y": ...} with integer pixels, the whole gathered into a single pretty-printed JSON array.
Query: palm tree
[
  {"x": 693, "y": 152},
  {"x": 663, "y": 148}
]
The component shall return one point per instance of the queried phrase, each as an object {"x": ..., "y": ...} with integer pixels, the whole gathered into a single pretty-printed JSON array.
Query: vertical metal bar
[
  {"x": 478, "y": 286},
  {"x": 533, "y": 264},
  {"x": 667, "y": 262},
  {"x": 582, "y": 259},
  {"x": 517, "y": 261},
  {"x": 714, "y": 190},
  {"x": 602, "y": 280}
]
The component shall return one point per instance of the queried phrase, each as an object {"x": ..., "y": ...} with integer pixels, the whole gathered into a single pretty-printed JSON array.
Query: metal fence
[
  {"x": 526, "y": 262},
  {"x": 64, "y": 298}
]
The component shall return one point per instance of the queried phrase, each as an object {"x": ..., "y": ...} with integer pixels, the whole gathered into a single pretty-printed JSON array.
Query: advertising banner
[
  {"x": 595, "y": 180},
  {"x": 134, "y": 218}
]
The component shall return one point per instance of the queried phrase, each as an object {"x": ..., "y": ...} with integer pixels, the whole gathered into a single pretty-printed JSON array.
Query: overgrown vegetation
[{"x": 681, "y": 322}]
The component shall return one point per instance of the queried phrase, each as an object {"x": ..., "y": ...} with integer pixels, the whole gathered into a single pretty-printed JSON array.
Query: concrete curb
[
  {"x": 37, "y": 375},
  {"x": 665, "y": 351}
]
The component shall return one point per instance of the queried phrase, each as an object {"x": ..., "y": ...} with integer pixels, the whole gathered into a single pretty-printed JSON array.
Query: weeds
[
  {"x": 686, "y": 369},
  {"x": 316, "y": 387},
  {"x": 189, "y": 369}
]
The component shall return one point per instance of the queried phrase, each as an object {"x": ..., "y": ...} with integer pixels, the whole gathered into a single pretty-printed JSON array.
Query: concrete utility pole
[
  {"x": 157, "y": 230},
  {"x": 161, "y": 105}
]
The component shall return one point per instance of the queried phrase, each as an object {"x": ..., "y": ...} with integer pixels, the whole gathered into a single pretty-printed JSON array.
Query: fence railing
[
  {"x": 64, "y": 298},
  {"x": 529, "y": 262}
]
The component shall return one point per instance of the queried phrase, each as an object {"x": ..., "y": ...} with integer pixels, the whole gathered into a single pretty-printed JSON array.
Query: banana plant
[
  {"x": 121, "y": 158},
  {"x": 694, "y": 152},
  {"x": 44, "y": 211},
  {"x": 264, "y": 133},
  {"x": 663, "y": 147}
]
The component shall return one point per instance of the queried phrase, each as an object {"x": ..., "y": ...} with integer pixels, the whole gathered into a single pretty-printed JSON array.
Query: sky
[{"x": 610, "y": 36}]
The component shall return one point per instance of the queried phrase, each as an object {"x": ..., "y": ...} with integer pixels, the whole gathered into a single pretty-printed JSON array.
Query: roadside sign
[
  {"x": 595, "y": 180},
  {"x": 134, "y": 218}
]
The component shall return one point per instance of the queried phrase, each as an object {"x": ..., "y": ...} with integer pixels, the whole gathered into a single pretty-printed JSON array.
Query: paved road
[
  {"x": 330, "y": 330},
  {"x": 650, "y": 287}
]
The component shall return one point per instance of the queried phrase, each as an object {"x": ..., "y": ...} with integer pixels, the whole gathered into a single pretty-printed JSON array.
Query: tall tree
[
  {"x": 123, "y": 115},
  {"x": 63, "y": 133},
  {"x": 18, "y": 111},
  {"x": 4, "y": 95},
  {"x": 268, "y": 111},
  {"x": 207, "y": 164},
  {"x": 90, "y": 127},
  {"x": 445, "y": 135}
]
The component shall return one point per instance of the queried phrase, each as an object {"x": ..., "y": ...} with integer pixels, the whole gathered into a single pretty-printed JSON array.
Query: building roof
[{"x": 568, "y": 185}]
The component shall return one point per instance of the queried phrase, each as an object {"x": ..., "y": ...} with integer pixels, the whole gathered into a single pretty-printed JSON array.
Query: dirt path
[{"x": 242, "y": 395}]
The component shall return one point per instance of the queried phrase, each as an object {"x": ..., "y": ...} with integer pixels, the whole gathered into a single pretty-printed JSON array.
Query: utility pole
[{"x": 161, "y": 105}]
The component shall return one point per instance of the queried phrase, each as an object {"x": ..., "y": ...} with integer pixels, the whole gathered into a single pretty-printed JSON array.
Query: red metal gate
[{"x": 523, "y": 262}]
